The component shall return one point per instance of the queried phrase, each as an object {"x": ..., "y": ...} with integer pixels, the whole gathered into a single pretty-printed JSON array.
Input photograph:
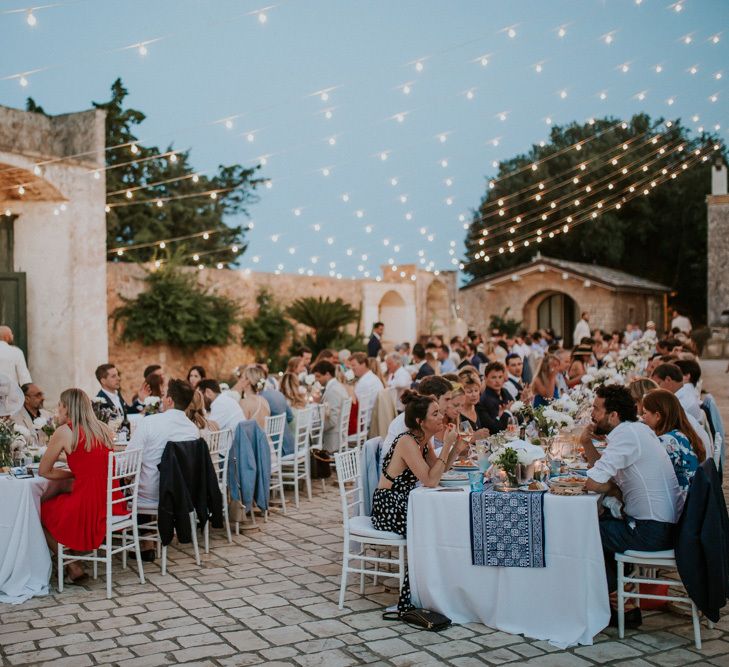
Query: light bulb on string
[
  {"x": 262, "y": 17},
  {"x": 23, "y": 82},
  {"x": 31, "y": 19},
  {"x": 715, "y": 39},
  {"x": 539, "y": 67},
  {"x": 693, "y": 69},
  {"x": 608, "y": 38},
  {"x": 658, "y": 69},
  {"x": 142, "y": 50},
  {"x": 562, "y": 31}
]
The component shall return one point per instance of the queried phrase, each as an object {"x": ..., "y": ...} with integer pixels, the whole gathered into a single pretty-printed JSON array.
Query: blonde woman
[
  {"x": 252, "y": 381},
  {"x": 638, "y": 388},
  {"x": 195, "y": 412},
  {"x": 77, "y": 519},
  {"x": 293, "y": 391}
]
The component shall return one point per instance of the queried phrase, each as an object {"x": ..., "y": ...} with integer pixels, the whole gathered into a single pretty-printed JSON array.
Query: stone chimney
[{"x": 718, "y": 245}]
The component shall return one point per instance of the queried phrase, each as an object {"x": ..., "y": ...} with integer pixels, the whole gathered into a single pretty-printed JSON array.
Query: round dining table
[
  {"x": 25, "y": 561},
  {"x": 565, "y": 602}
]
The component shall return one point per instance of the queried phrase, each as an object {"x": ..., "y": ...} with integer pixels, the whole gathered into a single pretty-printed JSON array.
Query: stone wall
[
  {"x": 126, "y": 280},
  {"x": 718, "y": 259}
]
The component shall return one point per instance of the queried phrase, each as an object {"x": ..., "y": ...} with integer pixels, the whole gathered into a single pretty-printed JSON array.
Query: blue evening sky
[{"x": 218, "y": 60}]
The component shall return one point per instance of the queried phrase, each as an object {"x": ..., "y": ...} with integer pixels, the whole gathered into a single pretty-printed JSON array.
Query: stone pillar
[{"x": 718, "y": 246}]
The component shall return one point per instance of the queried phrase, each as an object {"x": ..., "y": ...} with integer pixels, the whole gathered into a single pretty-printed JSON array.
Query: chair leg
[
  {"x": 296, "y": 484},
  {"x": 237, "y": 528},
  {"x": 193, "y": 526},
  {"x": 363, "y": 553},
  {"x": 697, "y": 625},
  {"x": 206, "y": 537},
  {"x": 227, "y": 522},
  {"x": 60, "y": 568},
  {"x": 96, "y": 564},
  {"x": 138, "y": 552},
  {"x": 621, "y": 599},
  {"x": 124, "y": 549},
  {"x": 281, "y": 491},
  {"x": 108, "y": 569},
  {"x": 345, "y": 565},
  {"x": 164, "y": 560},
  {"x": 401, "y": 565},
  {"x": 253, "y": 515}
]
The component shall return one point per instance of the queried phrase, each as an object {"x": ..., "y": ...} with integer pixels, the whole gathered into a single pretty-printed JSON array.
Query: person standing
[
  {"x": 12, "y": 359},
  {"x": 582, "y": 329},
  {"x": 681, "y": 322},
  {"x": 374, "y": 345}
]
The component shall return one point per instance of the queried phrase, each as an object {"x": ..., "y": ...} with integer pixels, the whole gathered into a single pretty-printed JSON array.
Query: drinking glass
[{"x": 475, "y": 479}]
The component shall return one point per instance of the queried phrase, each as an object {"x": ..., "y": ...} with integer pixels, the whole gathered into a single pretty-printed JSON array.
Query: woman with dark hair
[
  {"x": 664, "y": 414},
  {"x": 408, "y": 461},
  {"x": 195, "y": 374},
  {"x": 156, "y": 385},
  {"x": 581, "y": 357}
]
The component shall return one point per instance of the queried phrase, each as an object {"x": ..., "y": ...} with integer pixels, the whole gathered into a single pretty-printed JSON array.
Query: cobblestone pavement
[{"x": 271, "y": 598}]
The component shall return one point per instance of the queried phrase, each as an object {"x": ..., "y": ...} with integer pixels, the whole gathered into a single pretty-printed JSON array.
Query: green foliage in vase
[
  {"x": 266, "y": 331},
  {"x": 177, "y": 311},
  {"x": 660, "y": 237},
  {"x": 325, "y": 317}
]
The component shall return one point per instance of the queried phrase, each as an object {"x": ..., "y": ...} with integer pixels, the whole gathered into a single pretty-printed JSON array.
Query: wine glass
[{"x": 465, "y": 432}]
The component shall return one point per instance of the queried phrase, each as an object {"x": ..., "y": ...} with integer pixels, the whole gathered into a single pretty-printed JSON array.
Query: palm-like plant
[{"x": 325, "y": 317}]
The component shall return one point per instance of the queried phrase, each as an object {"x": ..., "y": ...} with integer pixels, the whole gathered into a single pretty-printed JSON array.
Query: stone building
[
  {"x": 551, "y": 293},
  {"x": 53, "y": 243}
]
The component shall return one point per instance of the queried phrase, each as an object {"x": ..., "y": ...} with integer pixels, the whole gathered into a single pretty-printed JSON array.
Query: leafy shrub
[
  {"x": 506, "y": 325},
  {"x": 175, "y": 310},
  {"x": 266, "y": 332},
  {"x": 325, "y": 317}
]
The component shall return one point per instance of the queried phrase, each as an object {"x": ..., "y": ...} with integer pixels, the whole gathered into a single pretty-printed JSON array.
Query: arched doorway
[
  {"x": 557, "y": 311},
  {"x": 392, "y": 313},
  {"x": 437, "y": 311}
]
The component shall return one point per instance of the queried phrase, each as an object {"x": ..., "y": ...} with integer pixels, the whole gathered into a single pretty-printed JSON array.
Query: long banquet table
[
  {"x": 565, "y": 602},
  {"x": 25, "y": 562}
]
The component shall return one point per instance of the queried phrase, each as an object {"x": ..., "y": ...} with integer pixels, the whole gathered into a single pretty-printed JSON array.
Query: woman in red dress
[{"x": 77, "y": 519}]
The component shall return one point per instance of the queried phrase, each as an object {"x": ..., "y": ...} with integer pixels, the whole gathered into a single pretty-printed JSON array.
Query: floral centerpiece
[
  {"x": 606, "y": 375},
  {"x": 507, "y": 459},
  {"x": 152, "y": 405},
  {"x": 102, "y": 412},
  {"x": 13, "y": 442},
  {"x": 45, "y": 425}
]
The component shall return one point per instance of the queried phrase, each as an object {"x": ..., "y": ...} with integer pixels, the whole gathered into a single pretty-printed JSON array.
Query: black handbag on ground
[
  {"x": 320, "y": 464},
  {"x": 420, "y": 618}
]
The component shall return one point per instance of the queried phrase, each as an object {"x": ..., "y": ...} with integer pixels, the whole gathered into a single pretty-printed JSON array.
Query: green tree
[
  {"x": 131, "y": 165},
  {"x": 661, "y": 237},
  {"x": 177, "y": 311},
  {"x": 266, "y": 331},
  {"x": 325, "y": 317},
  {"x": 505, "y": 324}
]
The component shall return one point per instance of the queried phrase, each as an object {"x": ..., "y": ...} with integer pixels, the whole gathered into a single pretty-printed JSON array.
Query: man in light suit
[
  {"x": 33, "y": 409},
  {"x": 12, "y": 359},
  {"x": 333, "y": 397}
]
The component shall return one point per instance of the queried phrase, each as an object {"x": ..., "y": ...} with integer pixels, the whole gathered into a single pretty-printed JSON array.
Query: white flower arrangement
[
  {"x": 151, "y": 401},
  {"x": 349, "y": 376},
  {"x": 39, "y": 423},
  {"x": 309, "y": 379}
]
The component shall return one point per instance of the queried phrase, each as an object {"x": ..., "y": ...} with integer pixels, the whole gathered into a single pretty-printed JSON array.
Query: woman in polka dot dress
[{"x": 411, "y": 460}]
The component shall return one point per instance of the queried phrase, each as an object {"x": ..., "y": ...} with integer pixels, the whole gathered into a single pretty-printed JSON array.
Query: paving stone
[
  {"x": 75, "y": 661},
  {"x": 390, "y": 647},
  {"x": 285, "y": 635},
  {"x": 674, "y": 658},
  {"x": 334, "y": 658},
  {"x": 89, "y": 647},
  {"x": 419, "y": 658},
  {"x": 34, "y": 657},
  {"x": 199, "y": 652},
  {"x": 606, "y": 651},
  {"x": 245, "y": 640}
]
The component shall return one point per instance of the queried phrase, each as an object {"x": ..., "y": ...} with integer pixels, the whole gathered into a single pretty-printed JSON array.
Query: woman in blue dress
[{"x": 544, "y": 384}]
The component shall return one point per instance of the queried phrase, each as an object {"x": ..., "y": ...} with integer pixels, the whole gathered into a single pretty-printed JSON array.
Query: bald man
[{"x": 12, "y": 359}]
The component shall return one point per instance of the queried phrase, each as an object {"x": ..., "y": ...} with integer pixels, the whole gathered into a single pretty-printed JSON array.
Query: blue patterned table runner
[{"x": 507, "y": 528}]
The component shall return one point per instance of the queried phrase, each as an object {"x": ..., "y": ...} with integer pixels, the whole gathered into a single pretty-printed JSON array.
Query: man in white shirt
[
  {"x": 582, "y": 329},
  {"x": 368, "y": 384},
  {"x": 397, "y": 377},
  {"x": 333, "y": 398},
  {"x": 681, "y": 322},
  {"x": 222, "y": 409},
  {"x": 153, "y": 433},
  {"x": 514, "y": 368},
  {"x": 635, "y": 462},
  {"x": 12, "y": 359}
]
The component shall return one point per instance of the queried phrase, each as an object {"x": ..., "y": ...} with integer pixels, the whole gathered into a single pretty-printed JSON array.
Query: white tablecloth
[
  {"x": 25, "y": 562},
  {"x": 565, "y": 603}
]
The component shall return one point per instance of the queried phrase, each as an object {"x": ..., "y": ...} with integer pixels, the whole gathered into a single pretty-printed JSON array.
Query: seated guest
[
  {"x": 410, "y": 460},
  {"x": 544, "y": 385},
  {"x": 493, "y": 407},
  {"x": 397, "y": 377},
  {"x": 471, "y": 397},
  {"x": 663, "y": 413},
  {"x": 223, "y": 410},
  {"x": 565, "y": 360},
  {"x": 154, "y": 432},
  {"x": 194, "y": 375},
  {"x": 514, "y": 370},
  {"x": 77, "y": 519},
  {"x": 277, "y": 405},
  {"x": 333, "y": 398},
  {"x": 431, "y": 364},
  {"x": 327, "y": 355},
  {"x": 195, "y": 412},
  {"x": 669, "y": 376},
  {"x": 691, "y": 375},
  {"x": 296, "y": 366},
  {"x": 579, "y": 361},
  {"x": 638, "y": 388},
  {"x": 368, "y": 384},
  {"x": 144, "y": 390},
  {"x": 110, "y": 381},
  {"x": 452, "y": 414},
  {"x": 636, "y": 462},
  {"x": 33, "y": 409},
  {"x": 446, "y": 363},
  {"x": 155, "y": 385},
  {"x": 294, "y": 392},
  {"x": 419, "y": 368},
  {"x": 252, "y": 382},
  {"x": 435, "y": 386},
  {"x": 305, "y": 354}
]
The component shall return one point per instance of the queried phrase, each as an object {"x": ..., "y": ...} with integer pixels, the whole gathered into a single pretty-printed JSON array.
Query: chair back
[
  {"x": 219, "y": 443},
  {"x": 275, "y": 427},
  {"x": 364, "y": 416},
  {"x": 122, "y": 476},
  {"x": 343, "y": 427},
  {"x": 718, "y": 446},
  {"x": 350, "y": 483},
  {"x": 316, "y": 429},
  {"x": 303, "y": 428}
]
